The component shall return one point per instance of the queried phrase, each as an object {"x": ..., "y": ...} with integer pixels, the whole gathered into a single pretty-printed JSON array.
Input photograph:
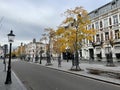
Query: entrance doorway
[
  {"x": 117, "y": 55},
  {"x": 91, "y": 53}
]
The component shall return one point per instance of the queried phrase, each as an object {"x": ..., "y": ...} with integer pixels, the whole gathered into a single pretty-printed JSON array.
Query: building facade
[
  {"x": 106, "y": 20},
  {"x": 3, "y": 50},
  {"x": 35, "y": 49}
]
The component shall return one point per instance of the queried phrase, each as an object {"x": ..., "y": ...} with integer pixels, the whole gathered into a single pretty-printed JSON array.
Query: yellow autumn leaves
[
  {"x": 75, "y": 24},
  {"x": 73, "y": 27}
]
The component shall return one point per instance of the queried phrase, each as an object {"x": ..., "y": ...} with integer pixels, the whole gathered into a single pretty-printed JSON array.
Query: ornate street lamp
[
  {"x": 109, "y": 55},
  {"x": 48, "y": 54},
  {"x": 49, "y": 49},
  {"x": 76, "y": 61},
  {"x": 10, "y": 40},
  {"x": 41, "y": 51}
]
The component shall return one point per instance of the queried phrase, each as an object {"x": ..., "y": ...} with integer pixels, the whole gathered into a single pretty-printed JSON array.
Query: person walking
[{"x": 59, "y": 61}]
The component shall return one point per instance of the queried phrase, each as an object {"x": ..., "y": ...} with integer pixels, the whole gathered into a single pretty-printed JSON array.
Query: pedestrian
[
  {"x": 67, "y": 59},
  {"x": 52, "y": 57},
  {"x": 59, "y": 61},
  {"x": 28, "y": 59},
  {"x": 41, "y": 58},
  {"x": 73, "y": 62}
]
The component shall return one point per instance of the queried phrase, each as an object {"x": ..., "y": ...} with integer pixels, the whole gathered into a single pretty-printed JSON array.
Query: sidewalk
[
  {"x": 16, "y": 83},
  {"x": 66, "y": 66}
]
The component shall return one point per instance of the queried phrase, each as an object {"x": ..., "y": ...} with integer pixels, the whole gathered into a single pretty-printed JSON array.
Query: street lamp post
[
  {"x": 10, "y": 39},
  {"x": 48, "y": 58},
  {"x": 109, "y": 55},
  {"x": 49, "y": 52},
  {"x": 41, "y": 51},
  {"x": 76, "y": 61},
  {"x": 76, "y": 51}
]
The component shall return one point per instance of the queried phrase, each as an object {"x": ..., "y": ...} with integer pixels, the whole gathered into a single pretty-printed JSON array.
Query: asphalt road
[{"x": 36, "y": 77}]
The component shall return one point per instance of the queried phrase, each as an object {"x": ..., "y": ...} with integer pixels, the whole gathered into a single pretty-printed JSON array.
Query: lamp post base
[
  {"x": 40, "y": 62},
  {"x": 8, "y": 78},
  {"x": 48, "y": 64},
  {"x": 110, "y": 64}
]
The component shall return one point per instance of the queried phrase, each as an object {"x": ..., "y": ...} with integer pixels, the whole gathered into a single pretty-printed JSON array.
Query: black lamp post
[
  {"x": 49, "y": 52},
  {"x": 41, "y": 51},
  {"x": 76, "y": 61},
  {"x": 10, "y": 39},
  {"x": 109, "y": 56}
]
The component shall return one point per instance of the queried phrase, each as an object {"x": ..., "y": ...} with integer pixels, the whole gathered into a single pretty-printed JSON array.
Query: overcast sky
[{"x": 28, "y": 18}]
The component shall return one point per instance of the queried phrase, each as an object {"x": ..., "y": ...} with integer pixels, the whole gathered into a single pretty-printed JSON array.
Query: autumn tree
[
  {"x": 73, "y": 30},
  {"x": 49, "y": 37},
  {"x": 19, "y": 52}
]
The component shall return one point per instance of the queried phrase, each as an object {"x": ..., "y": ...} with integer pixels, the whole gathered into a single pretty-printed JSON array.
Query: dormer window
[
  {"x": 96, "y": 11},
  {"x": 113, "y": 3}
]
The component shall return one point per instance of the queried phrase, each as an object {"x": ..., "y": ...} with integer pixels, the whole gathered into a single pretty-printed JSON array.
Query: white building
[
  {"x": 34, "y": 48},
  {"x": 1, "y": 52},
  {"x": 106, "y": 20}
]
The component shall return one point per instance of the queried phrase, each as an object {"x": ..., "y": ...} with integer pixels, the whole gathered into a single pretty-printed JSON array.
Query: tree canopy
[{"x": 73, "y": 30}]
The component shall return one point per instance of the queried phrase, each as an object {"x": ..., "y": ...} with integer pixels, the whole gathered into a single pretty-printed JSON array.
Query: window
[
  {"x": 106, "y": 36},
  {"x": 113, "y": 4},
  {"x": 96, "y": 25},
  {"x": 110, "y": 21},
  {"x": 89, "y": 27},
  {"x": 105, "y": 22},
  {"x": 93, "y": 26},
  {"x": 102, "y": 37},
  {"x": 97, "y": 38},
  {"x": 115, "y": 19},
  {"x": 117, "y": 36},
  {"x": 101, "y": 25},
  {"x": 96, "y": 11}
]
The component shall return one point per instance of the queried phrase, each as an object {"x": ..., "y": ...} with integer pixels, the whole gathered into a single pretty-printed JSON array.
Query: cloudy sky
[{"x": 28, "y": 18}]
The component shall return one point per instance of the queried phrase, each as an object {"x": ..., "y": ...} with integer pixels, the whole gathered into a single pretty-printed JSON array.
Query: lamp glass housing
[{"x": 11, "y": 37}]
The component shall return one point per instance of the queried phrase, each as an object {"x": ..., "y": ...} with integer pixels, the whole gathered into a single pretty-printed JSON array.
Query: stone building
[
  {"x": 3, "y": 50},
  {"x": 33, "y": 50},
  {"x": 106, "y": 20}
]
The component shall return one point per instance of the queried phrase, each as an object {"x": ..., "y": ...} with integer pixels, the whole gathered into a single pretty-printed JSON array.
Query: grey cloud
[{"x": 28, "y": 18}]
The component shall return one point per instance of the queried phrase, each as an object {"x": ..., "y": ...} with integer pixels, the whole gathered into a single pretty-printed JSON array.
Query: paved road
[{"x": 36, "y": 77}]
